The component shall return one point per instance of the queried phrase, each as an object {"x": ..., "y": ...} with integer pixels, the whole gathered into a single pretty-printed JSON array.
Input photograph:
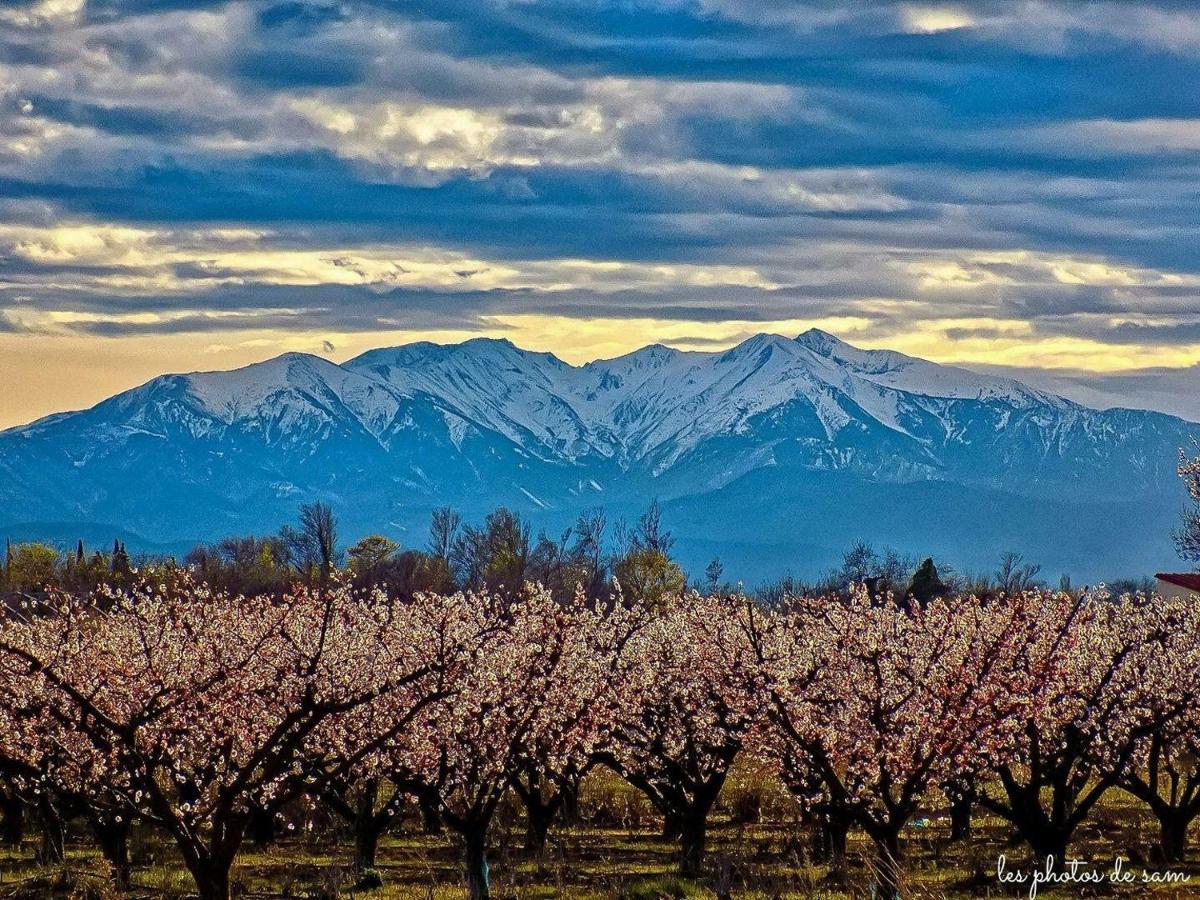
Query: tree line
[{"x": 500, "y": 553}]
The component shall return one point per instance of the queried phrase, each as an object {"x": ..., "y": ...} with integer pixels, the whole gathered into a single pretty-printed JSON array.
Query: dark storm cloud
[
  {"x": 1141, "y": 333},
  {"x": 842, "y": 151},
  {"x": 355, "y": 308}
]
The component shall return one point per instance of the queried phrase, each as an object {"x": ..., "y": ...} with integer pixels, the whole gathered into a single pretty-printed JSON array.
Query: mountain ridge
[
  {"x": 393, "y": 432},
  {"x": 815, "y": 339}
]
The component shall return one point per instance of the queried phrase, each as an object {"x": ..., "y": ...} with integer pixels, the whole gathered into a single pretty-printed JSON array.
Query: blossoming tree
[
  {"x": 1084, "y": 722},
  {"x": 880, "y": 701},
  {"x": 198, "y": 708},
  {"x": 535, "y": 696},
  {"x": 1164, "y": 773},
  {"x": 685, "y": 711}
]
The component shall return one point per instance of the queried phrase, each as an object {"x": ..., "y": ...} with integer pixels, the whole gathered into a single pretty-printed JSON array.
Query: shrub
[
  {"x": 369, "y": 880},
  {"x": 665, "y": 888}
]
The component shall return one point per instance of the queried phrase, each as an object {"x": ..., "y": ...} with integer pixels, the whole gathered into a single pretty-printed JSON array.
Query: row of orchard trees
[{"x": 193, "y": 711}]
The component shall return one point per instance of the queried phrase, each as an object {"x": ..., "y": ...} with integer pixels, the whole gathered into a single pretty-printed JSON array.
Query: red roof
[{"x": 1189, "y": 580}]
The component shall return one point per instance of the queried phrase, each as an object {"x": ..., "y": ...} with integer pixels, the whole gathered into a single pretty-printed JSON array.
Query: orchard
[{"x": 213, "y": 720}]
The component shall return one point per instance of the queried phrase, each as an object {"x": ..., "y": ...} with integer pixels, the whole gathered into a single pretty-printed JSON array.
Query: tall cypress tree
[{"x": 120, "y": 560}]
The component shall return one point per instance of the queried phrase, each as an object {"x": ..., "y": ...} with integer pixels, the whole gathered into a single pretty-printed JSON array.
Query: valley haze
[{"x": 773, "y": 455}]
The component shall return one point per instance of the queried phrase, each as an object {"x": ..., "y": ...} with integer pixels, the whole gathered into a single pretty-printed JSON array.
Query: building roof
[{"x": 1189, "y": 580}]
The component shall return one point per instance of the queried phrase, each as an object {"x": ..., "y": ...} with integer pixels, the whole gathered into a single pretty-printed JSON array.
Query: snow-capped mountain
[
  {"x": 659, "y": 399},
  {"x": 812, "y": 435}
]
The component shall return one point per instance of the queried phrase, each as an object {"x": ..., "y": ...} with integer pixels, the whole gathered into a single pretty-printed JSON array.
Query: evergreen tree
[
  {"x": 712, "y": 575},
  {"x": 926, "y": 584},
  {"x": 370, "y": 556},
  {"x": 120, "y": 565}
]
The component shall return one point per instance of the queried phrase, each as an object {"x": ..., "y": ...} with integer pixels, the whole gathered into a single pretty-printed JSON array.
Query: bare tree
[
  {"x": 314, "y": 543},
  {"x": 443, "y": 528},
  {"x": 712, "y": 575},
  {"x": 1016, "y": 575},
  {"x": 650, "y": 534},
  {"x": 588, "y": 548},
  {"x": 496, "y": 555},
  {"x": 861, "y": 564}
]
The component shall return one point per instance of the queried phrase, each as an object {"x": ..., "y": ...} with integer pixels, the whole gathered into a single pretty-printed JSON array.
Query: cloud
[
  {"x": 1101, "y": 137},
  {"x": 960, "y": 179},
  {"x": 932, "y": 19},
  {"x": 1170, "y": 390}
]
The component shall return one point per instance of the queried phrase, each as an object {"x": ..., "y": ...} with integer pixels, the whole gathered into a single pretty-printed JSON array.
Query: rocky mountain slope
[{"x": 821, "y": 439}]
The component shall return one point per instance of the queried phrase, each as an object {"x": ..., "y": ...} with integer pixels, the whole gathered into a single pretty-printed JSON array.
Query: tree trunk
[
  {"x": 113, "y": 839},
  {"x": 838, "y": 825},
  {"x": 1046, "y": 833},
  {"x": 260, "y": 828},
  {"x": 210, "y": 865},
  {"x": 960, "y": 817},
  {"x": 570, "y": 803},
  {"x": 212, "y": 882},
  {"x": 475, "y": 859},
  {"x": 366, "y": 845},
  {"x": 538, "y": 818},
  {"x": 887, "y": 848},
  {"x": 837, "y": 828},
  {"x": 694, "y": 828},
  {"x": 540, "y": 811},
  {"x": 53, "y": 851},
  {"x": 12, "y": 826},
  {"x": 431, "y": 817},
  {"x": 672, "y": 828},
  {"x": 1049, "y": 846},
  {"x": 831, "y": 827},
  {"x": 1173, "y": 827},
  {"x": 366, "y": 827}
]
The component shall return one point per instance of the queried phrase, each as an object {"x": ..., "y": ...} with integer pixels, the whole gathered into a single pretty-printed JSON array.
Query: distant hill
[
  {"x": 95, "y": 536},
  {"x": 774, "y": 454}
]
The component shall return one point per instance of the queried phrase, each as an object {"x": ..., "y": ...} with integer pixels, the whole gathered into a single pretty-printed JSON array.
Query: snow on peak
[
  {"x": 489, "y": 382},
  {"x": 295, "y": 386},
  {"x": 404, "y": 355},
  {"x": 481, "y": 350},
  {"x": 222, "y": 391},
  {"x": 912, "y": 375},
  {"x": 820, "y": 341},
  {"x": 653, "y": 400},
  {"x": 763, "y": 343},
  {"x": 652, "y": 356}
]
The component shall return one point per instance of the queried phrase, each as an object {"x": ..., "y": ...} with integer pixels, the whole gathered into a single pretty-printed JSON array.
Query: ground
[{"x": 618, "y": 854}]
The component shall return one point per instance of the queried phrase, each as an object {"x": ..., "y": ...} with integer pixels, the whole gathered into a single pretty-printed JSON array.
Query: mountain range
[{"x": 774, "y": 454}]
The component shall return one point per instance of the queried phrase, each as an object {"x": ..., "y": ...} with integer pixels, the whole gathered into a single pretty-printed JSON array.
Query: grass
[{"x": 765, "y": 859}]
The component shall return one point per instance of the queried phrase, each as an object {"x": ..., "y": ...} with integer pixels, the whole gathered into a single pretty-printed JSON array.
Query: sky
[{"x": 1008, "y": 185}]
